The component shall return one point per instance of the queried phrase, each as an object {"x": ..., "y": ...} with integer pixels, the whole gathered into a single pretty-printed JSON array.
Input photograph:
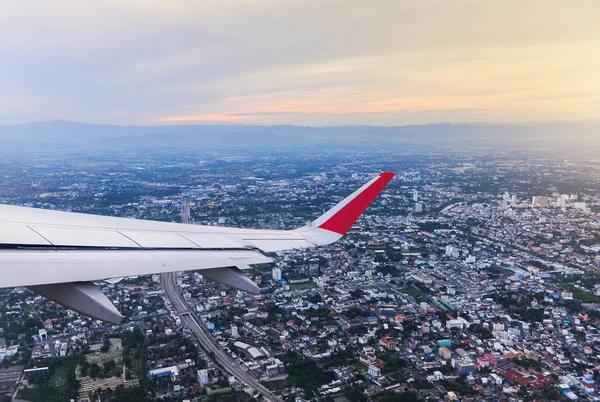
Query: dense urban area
[{"x": 475, "y": 276}]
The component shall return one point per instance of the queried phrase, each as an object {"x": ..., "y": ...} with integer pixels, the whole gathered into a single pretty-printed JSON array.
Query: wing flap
[
  {"x": 212, "y": 240},
  {"x": 11, "y": 233},
  {"x": 159, "y": 239},
  {"x": 279, "y": 244},
  {"x": 79, "y": 237}
]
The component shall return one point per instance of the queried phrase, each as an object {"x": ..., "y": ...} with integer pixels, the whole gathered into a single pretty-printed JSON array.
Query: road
[{"x": 189, "y": 317}]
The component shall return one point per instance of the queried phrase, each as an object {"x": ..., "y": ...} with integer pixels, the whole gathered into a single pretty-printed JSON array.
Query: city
[{"x": 474, "y": 276}]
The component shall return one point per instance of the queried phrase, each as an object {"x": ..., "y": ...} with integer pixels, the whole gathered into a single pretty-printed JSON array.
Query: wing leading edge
[{"x": 43, "y": 247}]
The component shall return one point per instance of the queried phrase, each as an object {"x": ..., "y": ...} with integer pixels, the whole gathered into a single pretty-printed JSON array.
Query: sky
[{"x": 305, "y": 62}]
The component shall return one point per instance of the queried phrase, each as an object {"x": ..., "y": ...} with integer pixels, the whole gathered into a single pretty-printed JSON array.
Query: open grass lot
[
  {"x": 413, "y": 291},
  {"x": 303, "y": 286}
]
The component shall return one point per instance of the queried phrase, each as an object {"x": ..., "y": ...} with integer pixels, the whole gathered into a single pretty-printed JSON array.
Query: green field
[
  {"x": 413, "y": 291},
  {"x": 302, "y": 286}
]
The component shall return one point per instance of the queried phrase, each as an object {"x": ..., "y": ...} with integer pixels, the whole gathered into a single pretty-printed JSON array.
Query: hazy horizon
[
  {"x": 241, "y": 124},
  {"x": 60, "y": 134}
]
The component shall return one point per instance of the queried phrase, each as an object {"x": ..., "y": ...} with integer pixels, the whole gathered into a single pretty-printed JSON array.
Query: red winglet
[{"x": 343, "y": 220}]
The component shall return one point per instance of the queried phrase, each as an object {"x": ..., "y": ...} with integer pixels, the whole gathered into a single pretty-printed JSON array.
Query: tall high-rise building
[
  {"x": 185, "y": 212},
  {"x": 415, "y": 195},
  {"x": 419, "y": 207},
  {"x": 313, "y": 267},
  {"x": 202, "y": 377},
  {"x": 276, "y": 274}
]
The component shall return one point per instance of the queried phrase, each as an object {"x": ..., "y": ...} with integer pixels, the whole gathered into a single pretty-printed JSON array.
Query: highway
[{"x": 189, "y": 317}]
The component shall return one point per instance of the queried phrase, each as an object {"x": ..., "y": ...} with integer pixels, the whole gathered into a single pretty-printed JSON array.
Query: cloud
[
  {"x": 310, "y": 62},
  {"x": 263, "y": 113}
]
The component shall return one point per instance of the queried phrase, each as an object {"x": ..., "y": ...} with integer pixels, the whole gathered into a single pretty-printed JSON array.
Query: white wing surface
[{"x": 39, "y": 248}]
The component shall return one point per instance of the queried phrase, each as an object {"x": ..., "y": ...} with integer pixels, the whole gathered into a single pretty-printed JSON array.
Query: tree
[
  {"x": 109, "y": 365},
  {"x": 356, "y": 293},
  {"x": 85, "y": 368},
  {"x": 407, "y": 396},
  {"x": 95, "y": 370}
]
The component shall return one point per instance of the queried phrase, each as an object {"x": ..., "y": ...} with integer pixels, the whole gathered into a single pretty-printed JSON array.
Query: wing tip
[{"x": 343, "y": 219}]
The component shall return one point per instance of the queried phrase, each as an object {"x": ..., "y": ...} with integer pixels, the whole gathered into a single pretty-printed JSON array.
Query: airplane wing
[{"x": 58, "y": 254}]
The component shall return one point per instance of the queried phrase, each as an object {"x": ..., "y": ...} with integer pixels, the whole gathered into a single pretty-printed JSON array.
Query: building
[
  {"x": 389, "y": 344},
  {"x": 487, "y": 360},
  {"x": 172, "y": 371},
  {"x": 43, "y": 335},
  {"x": 532, "y": 381},
  {"x": 250, "y": 351},
  {"x": 451, "y": 251},
  {"x": 234, "y": 331},
  {"x": 11, "y": 376},
  {"x": 276, "y": 274},
  {"x": 185, "y": 212},
  {"x": 455, "y": 324},
  {"x": 314, "y": 268},
  {"x": 464, "y": 365},
  {"x": 202, "y": 377},
  {"x": 418, "y": 207},
  {"x": 36, "y": 372},
  {"x": 273, "y": 367},
  {"x": 445, "y": 353},
  {"x": 374, "y": 371},
  {"x": 367, "y": 359}
]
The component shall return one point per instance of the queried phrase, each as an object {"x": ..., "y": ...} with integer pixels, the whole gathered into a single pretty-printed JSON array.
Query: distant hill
[{"x": 65, "y": 134}]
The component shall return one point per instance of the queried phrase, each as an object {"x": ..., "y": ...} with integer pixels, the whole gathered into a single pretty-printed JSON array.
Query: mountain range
[{"x": 69, "y": 135}]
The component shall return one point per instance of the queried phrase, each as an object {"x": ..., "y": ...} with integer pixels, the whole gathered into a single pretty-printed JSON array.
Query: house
[{"x": 388, "y": 343}]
